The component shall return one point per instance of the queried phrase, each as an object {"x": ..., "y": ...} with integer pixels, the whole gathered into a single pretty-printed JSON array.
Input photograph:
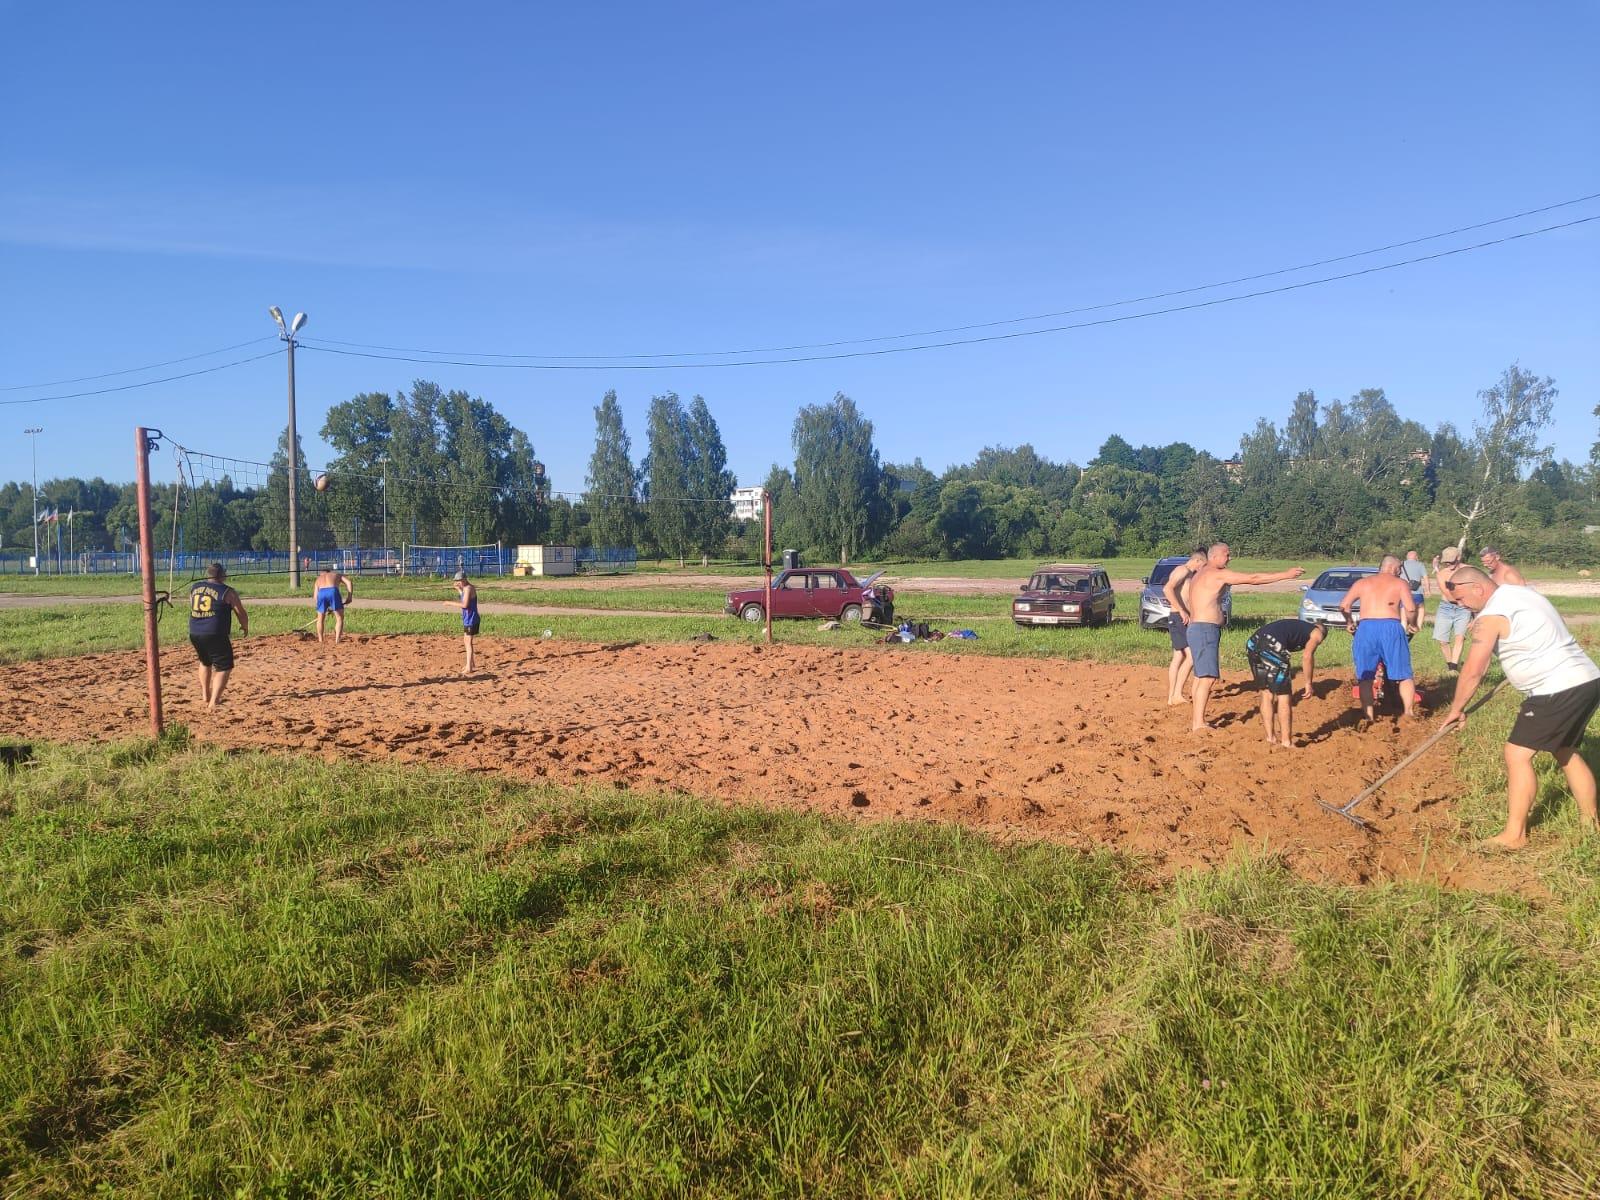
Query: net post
[
  {"x": 147, "y": 572},
  {"x": 766, "y": 521},
  {"x": 499, "y": 559}
]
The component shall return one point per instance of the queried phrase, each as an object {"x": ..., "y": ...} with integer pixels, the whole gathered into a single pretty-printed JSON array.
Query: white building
[{"x": 746, "y": 503}]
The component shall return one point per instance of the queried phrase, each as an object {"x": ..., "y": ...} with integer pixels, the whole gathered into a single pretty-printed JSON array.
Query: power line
[
  {"x": 1203, "y": 287},
  {"x": 23, "y": 387},
  {"x": 973, "y": 341},
  {"x": 127, "y": 387}
]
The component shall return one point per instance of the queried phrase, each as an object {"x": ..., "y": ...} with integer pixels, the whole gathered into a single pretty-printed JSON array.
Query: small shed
[{"x": 546, "y": 560}]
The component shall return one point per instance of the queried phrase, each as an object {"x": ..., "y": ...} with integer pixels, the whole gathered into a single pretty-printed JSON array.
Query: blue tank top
[
  {"x": 209, "y": 613},
  {"x": 469, "y": 613}
]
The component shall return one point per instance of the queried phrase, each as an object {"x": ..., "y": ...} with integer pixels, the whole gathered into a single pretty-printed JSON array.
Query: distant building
[{"x": 746, "y": 503}]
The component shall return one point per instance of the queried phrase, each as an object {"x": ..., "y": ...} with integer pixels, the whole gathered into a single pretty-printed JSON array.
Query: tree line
[{"x": 1337, "y": 478}]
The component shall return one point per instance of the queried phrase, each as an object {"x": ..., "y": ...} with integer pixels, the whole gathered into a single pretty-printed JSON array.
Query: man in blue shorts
[
  {"x": 1268, "y": 650},
  {"x": 1388, "y": 610},
  {"x": 212, "y": 605},
  {"x": 333, "y": 592}
]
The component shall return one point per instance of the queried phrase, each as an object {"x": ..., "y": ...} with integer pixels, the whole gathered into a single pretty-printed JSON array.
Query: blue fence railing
[{"x": 407, "y": 560}]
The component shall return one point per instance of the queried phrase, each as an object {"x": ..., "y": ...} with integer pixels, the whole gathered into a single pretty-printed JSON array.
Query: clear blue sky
[{"x": 594, "y": 179}]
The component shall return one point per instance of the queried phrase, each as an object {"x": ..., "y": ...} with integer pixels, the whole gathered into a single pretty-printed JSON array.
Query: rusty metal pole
[
  {"x": 147, "y": 571},
  {"x": 766, "y": 517}
]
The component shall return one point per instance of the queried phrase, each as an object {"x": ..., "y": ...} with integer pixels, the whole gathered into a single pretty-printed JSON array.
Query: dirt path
[{"x": 1073, "y": 751}]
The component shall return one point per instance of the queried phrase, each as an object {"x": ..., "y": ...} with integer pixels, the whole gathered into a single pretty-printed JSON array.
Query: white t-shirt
[{"x": 1538, "y": 656}]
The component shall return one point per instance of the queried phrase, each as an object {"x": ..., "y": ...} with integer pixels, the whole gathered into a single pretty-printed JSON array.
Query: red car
[{"x": 827, "y": 592}]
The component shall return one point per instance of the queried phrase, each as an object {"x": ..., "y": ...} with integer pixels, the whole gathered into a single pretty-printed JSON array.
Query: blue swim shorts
[
  {"x": 330, "y": 599},
  {"x": 1382, "y": 639},
  {"x": 1205, "y": 644}
]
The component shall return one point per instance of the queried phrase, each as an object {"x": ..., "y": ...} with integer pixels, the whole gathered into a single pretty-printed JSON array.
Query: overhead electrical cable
[
  {"x": 1067, "y": 312},
  {"x": 171, "y": 362},
  {"x": 128, "y": 387},
  {"x": 993, "y": 337}
]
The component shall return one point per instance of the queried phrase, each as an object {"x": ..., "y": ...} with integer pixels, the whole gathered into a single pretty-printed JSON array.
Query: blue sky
[{"x": 624, "y": 179}]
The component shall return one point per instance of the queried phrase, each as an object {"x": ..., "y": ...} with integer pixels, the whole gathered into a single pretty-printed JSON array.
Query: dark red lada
[{"x": 825, "y": 592}]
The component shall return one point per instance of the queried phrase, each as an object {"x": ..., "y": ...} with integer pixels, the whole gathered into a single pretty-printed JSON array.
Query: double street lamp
[
  {"x": 34, "y": 434},
  {"x": 286, "y": 334}
]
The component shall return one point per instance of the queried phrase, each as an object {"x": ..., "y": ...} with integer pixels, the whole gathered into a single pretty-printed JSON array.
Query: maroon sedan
[{"x": 826, "y": 592}]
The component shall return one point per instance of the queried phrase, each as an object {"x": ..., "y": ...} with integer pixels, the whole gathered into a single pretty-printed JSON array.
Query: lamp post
[
  {"x": 286, "y": 334},
  {"x": 384, "y": 484},
  {"x": 34, "y": 434}
]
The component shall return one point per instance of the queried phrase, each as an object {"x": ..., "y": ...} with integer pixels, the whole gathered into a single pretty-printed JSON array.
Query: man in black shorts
[
  {"x": 1182, "y": 663},
  {"x": 1268, "y": 650},
  {"x": 1560, "y": 687},
  {"x": 212, "y": 604}
]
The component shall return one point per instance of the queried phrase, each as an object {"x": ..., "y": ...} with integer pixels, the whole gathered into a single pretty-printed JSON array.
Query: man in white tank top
[{"x": 1559, "y": 682}]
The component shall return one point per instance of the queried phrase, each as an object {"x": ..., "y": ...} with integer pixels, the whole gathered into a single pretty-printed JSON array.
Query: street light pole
[
  {"x": 385, "y": 486},
  {"x": 34, "y": 434},
  {"x": 286, "y": 334}
]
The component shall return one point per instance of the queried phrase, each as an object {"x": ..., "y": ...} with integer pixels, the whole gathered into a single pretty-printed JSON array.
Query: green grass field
[
  {"x": 248, "y": 976},
  {"x": 252, "y": 975}
]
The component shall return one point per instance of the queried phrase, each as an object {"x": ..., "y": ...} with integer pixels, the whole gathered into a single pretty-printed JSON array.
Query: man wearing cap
[
  {"x": 1451, "y": 621},
  {"x": 1499, "y": 569},
  {"x": 467, "y": 601},
  {"x": 212, "y": 605},
  {"x": 1559, "y": 682}
]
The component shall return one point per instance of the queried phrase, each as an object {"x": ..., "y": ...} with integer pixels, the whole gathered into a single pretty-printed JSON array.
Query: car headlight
[{"x": 1024, "y": 607}]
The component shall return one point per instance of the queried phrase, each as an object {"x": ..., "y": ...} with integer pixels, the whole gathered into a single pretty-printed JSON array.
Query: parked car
[
  {"x": 1322, "y": 598},
  {"x": 825, "y": 592},
  {"x": 1065, "y": 594},
  {"x": 1154, "y": 611}
]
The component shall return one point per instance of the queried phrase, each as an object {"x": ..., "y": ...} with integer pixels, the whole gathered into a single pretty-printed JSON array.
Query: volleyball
[{"x": 320, "y": 483}]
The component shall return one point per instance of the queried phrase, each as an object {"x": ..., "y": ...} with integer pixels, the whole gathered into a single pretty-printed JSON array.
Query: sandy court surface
[{"x": 1072, "y": 751}]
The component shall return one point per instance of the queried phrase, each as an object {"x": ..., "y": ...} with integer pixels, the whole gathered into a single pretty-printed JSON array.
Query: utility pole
[
  {"x": 286, "y": 334},
  {"x": 34, "y": 434}
]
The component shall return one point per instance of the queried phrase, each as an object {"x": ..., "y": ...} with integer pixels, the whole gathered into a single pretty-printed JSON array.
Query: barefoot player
[
  {"x": 1268, "y": 650},
  {"x": 212, "y": 605},
  {"x": 333, "y": 592},
  {"x": 1205, "y": 620},
  {"x": 1388, "y": 611},
  {"x": 1178, "y": 626},
  {"x": 467, "y": 601}
]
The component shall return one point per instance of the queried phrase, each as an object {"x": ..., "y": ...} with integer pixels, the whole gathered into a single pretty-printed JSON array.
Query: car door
[
  {"x": 789, "y": 597},
  {"x": 827, "y": 595},
  {"x": 1104, "y": 600}
]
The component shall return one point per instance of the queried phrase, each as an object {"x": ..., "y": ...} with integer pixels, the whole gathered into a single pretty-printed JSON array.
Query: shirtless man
[
  {"x": 1387, "y": 612},
  {"x": 1451, "y": 619},
  {"x": 331, "y": 599},
  {"x": 1499, "y": 569},
  {"x": 1205, "y": 619},
  {"x": 1178, "y": 628}
]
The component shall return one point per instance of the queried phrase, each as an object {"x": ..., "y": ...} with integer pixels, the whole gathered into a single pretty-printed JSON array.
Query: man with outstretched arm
[
  {"x": 1388, "y": 610},
  {"x": 1205, "y": 620},
  {"x": 212, "y": 607},
  {"x": 1178, "y": 626},
  {"x": 1559, "y": 682},
  {"x": 1268, "y": 650},
  {"x": 333, "y": 592}
]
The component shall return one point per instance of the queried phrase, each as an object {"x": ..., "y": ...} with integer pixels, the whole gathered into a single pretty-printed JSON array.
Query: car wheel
[
  {"x": 851, "y": 613},
  {"x": 752, "y": 613}
]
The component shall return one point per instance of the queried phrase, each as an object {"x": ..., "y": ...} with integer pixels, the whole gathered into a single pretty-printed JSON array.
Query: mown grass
[{"x": 251, "y": 976}]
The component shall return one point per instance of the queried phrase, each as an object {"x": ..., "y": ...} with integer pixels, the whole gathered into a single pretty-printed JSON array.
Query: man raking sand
[{"x": 1560, "y": 686}]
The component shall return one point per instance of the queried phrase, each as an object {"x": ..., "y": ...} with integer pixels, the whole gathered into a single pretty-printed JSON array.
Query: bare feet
[{"x": 1202, "y": 729}]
